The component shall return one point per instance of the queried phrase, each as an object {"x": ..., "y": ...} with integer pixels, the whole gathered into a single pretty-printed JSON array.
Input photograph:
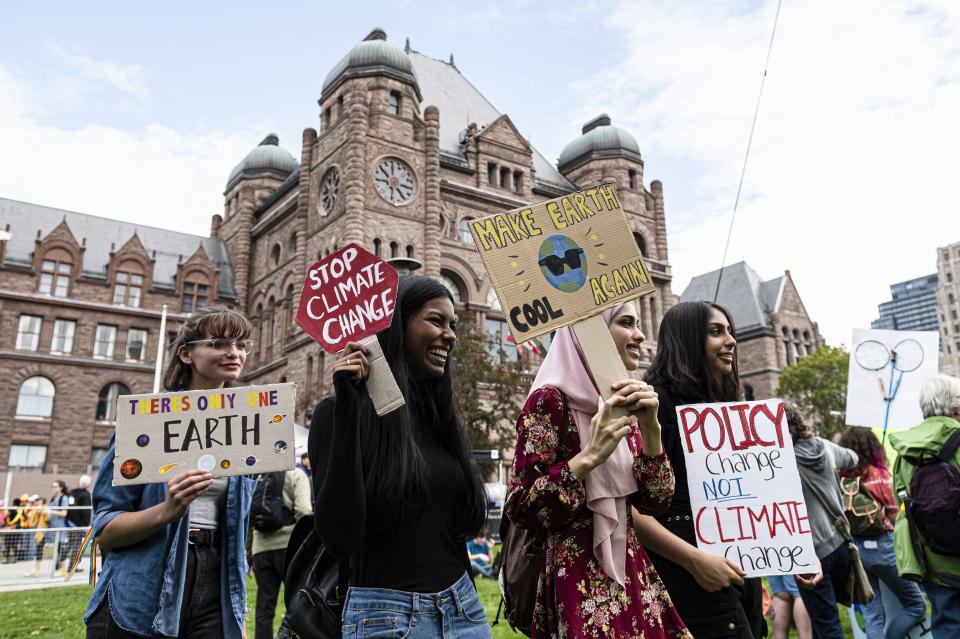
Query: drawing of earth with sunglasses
[{"x": 563, "y": 263}]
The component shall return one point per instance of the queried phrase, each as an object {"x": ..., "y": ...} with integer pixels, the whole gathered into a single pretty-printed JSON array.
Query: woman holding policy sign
[
  {"x": 398, "y": 494},
  {"x": 176, "y": 564},
  {"x": 696, "y": 363},
  {"x": 576, "y": 473}
]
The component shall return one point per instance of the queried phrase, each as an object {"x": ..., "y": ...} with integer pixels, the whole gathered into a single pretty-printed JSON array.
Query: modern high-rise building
[
  {"x": 947, "y": 308},
  {"x": 913, "y": 306}
]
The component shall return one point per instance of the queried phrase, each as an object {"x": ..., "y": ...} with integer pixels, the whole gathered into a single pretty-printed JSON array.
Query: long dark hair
[
  {"x": 216, "y": 321},
  {"x": 865, "y": 444},
  {"x": 394, "y": 470},
  {"x": 680, "y": 364}
]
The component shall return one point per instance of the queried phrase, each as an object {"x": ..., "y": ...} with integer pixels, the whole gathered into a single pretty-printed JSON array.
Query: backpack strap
[
  {"x": 839, "y": 521},
  {"x": 950, "y": 447}
]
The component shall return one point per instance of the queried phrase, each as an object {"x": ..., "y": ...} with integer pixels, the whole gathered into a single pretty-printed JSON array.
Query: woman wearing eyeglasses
[{"x": 176, "y": 565}]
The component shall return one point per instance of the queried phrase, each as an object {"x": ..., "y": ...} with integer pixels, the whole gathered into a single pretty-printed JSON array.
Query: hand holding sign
[{"x": 349, "y": 296}]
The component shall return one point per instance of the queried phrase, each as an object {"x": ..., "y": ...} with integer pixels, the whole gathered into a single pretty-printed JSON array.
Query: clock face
[
  {"x": 393, "y": 179},
  {"x": 329, "y": 188}
]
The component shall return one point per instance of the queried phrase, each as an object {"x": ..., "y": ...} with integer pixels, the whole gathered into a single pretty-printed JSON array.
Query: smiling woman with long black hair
[{"x": 399, "y": 494}]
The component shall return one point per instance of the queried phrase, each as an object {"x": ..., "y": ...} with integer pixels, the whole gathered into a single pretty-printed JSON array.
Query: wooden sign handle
[
  {"x": 602, "y": 357},
  {"x": 381, "y": 385}
]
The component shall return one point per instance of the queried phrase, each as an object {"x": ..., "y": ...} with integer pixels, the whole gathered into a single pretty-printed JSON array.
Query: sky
[{"x": 139, "y": 112}]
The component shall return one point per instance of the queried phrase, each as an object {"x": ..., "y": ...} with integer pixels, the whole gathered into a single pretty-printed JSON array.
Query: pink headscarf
[{"x": 610, "y": 483}]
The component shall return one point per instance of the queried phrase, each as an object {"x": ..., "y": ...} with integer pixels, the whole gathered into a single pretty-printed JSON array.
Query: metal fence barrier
[{"x": 40, "y": 554}]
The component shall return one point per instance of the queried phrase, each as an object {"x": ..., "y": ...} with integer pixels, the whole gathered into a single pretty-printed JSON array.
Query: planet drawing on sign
[
  {"x": 279, "y": 447},
  {"x": 143, "y": 440},
  {"x": 206, "y": 462},
  {"x": 251, "y": 460},
  {"x": 225, "y": 464},
  {"x": 131, "y": 469},
  {"x": 563, "y": 263},
  {"x": 277, "y": 419}
]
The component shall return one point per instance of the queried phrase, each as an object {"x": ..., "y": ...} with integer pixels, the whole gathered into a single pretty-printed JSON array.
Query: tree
[
  {"x": 817, "y": 383},
  {"x": 488, "y": 385}
]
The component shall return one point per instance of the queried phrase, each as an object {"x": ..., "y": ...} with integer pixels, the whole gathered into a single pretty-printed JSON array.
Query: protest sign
[
  {"x": 562, "y": 260},
  {"x": 226, "y": 431},
  {"x": 349, "y": 296},
  {"x": 745, "y": 491},
  {"x": 885, "y": 373}
]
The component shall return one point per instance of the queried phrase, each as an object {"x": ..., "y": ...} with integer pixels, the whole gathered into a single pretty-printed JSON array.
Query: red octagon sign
[{"x": 347, "y": 296}]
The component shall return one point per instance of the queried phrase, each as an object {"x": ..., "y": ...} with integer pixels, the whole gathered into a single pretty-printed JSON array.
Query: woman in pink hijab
[{"x": 597, "y": 579}]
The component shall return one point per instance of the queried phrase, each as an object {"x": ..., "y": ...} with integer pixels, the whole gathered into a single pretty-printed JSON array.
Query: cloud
[
  {"x": 849, "y": 182},
  {"x": 155, "y": 175},
  {"x": 124, "y": 78}
]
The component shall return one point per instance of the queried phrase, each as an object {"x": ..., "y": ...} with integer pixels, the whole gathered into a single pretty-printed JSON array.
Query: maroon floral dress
[{"x": 575, "y": 597}]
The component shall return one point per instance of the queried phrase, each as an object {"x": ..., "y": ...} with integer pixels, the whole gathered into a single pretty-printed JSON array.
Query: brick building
[
  {"x": 948, "y": 307},
  {"x": 407, "y": 152},
  {"x": 773, "y": 327}
]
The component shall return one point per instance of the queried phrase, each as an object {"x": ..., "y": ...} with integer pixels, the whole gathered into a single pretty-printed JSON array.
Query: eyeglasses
[
  {"x": 222, "y": 343},
  {"x": 555, "y": 263}
]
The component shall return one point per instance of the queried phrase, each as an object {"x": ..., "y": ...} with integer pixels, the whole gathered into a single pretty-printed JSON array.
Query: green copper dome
[
  {"x": 600, "y": 139},
  {"x": 372, "y": 56},
  {"x": 269, "y": 156}
]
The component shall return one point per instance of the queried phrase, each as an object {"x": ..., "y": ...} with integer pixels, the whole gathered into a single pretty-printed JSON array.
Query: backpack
[
  {"x": 933, "y": 505},
  {"x": 521, "y": 564},
  {"x": 267, "y": 512},
  {"x": 864, "y": 513}
]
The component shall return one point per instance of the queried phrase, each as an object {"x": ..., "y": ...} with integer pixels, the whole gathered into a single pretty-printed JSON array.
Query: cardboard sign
[
  {"x": 886, "y": 371},
  {"x": 350, "y": 296},
  {"x": 745, "y": 491},
  {"x": 226, "y": 431},
  {"x": 562, "y": 260}
]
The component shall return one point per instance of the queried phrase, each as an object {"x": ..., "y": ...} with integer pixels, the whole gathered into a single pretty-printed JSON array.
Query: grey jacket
[{"x": 819, "y": 460}]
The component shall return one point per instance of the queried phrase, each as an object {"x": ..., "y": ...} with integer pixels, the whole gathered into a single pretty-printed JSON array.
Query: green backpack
[{"x": 864, "y": 513}]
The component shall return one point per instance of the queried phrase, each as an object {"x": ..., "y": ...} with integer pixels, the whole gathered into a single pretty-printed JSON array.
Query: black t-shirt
[
  {"x": 420, "y": 555},
  {"x": 79, "y": 516}
]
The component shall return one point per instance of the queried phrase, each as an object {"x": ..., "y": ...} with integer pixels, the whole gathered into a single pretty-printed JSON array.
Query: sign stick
[
  {"x": 160, "y": 339},
  {"x": 381, "y": 385},
  {"x": 602, "y": 357}
]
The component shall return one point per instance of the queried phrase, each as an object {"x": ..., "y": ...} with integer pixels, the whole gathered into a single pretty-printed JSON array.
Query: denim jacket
[{"x": 144, "y": 581}]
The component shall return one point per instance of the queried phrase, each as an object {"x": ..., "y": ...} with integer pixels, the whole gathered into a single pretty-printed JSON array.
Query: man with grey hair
[
  {"x": 940, "y": 574},
  {"x": 78, "y": 518}
]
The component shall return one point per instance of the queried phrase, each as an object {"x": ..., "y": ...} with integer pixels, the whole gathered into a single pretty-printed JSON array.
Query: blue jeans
[
  {"x": 378, "y": 613},
  {"x": 944, "y": 611},
  {"x": 821, "y": 602},
  {"x": 880, "y": 562}
]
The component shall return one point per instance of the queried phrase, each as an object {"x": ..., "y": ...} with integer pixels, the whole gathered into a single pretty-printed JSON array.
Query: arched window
[
  {"x": 128, "y": 284},
  {"x": 394, "y": 249},
  {"x": 275, "y": 254},
  {"x": 632, "y": 178},
  {"x": 376, "y": 246},
  {"x": 196, "y": 292},
  {"x": 36, "y": 397},
  {"x": 641, "y": 243},
  {"x": 748, "y": 392},
  {"x": 55, "y": 269},
  {"x": 463, "y": 229},
  {"x": 107, "y": 401},
  {"x": 410, "y": 250},
  {"x": 453, "y": 285},
  {"x": 394, "y": 104}
]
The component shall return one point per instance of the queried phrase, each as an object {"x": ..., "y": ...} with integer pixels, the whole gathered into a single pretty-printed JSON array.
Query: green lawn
[{"x": 57, "y": 611}]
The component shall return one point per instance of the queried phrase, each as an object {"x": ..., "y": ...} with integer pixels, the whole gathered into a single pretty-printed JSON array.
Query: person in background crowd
[
  {"x": 399, "y": 494},
  {"x": 480, "y": 554},
  {"x": 696, "y": 362},
  {"x": 13, "y": 548},
  {"x": 940, "y": 574},
  {"x": 596, "y": 578},
  {"x": 304, "y": 464},
  {"x": 177, "y": 565},
  {"x": 876, "y": 552},
  {"x": 79, "y": 516},
  {"x": 38, "y": 521},
  {"x": 819, "y": 459},
  {"x": 788, "y": 607},
  {"x": 58, "y": 519},
  {"x": 268, "y": 551}
]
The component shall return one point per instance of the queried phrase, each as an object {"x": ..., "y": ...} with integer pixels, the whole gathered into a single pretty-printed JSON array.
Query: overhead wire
[{"x": 746, "y": 156}]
